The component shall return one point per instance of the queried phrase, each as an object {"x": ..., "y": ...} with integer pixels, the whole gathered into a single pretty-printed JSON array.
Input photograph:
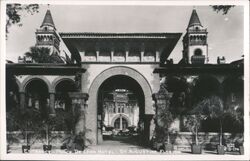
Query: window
[
  {"x": 122, "y": 109},
  {"x": 198, "y": 52},
  {"x": 119, "y": 109}
]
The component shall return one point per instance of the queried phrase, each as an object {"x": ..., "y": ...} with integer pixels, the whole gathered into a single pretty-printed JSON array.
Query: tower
[
  {"x": 46, "y": 35},
  {"x": 195, "y": 47}
]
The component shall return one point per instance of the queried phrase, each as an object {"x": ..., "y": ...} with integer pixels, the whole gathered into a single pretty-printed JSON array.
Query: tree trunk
[
  {"x": 196, "y": 135},
  {"x": 26, "y": 134},
  {"x": 220, "y": 132},
  {"x": 26, "y": 137},
  {"x": 47, "y": 134},
  {"x": 168, "y": 138}
]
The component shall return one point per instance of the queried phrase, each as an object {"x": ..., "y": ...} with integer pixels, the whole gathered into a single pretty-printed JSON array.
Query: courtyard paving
[{"x": 127, "y": 146}]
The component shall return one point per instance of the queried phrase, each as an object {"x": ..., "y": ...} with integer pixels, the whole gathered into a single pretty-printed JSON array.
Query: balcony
[
  {"x": 197, "y": 31},
  {"x": 198, "y": 43}
]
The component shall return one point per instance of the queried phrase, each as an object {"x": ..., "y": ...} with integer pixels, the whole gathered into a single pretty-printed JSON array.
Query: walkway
[{"x": 117, "y": 146}]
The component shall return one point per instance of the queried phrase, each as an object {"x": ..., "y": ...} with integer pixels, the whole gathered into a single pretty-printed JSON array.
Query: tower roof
[
  {"x": 194, "y": 20},
  {"x": 48, "y": 21}
]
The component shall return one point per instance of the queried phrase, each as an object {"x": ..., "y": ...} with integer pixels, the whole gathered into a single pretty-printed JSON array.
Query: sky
[{"x": 225, "y": 32}]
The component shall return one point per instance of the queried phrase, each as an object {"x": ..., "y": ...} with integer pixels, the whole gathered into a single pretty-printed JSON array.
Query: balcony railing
[
  {"x": 47, "y": 31},
  {"x": 197, "y": 43},
  {"x": 197, "y": 31}
]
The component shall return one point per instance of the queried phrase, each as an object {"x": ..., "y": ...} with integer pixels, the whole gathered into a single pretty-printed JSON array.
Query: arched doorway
[
  {"x": 37, "y": 96},
  {"x": 205, "y": 87},
  {"x": 62, "y": 88},
  {"x": 121, "y": 108},
  {"x": 92, "y": 118},
  {"x": 63, "y": 104},
  {"x": 12, "y": 93},
  {"x": 120, "y": 124},
  {"x": 233, "y": 97}
]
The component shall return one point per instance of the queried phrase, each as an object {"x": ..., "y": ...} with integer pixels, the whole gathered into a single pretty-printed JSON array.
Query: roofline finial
[{"x": 48, "y": 5}]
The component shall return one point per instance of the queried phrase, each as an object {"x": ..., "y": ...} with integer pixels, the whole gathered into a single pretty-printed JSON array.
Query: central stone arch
[{"x": 91, "y": 121}]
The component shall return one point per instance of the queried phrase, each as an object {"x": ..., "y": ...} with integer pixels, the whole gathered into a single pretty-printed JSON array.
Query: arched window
[
  {"x": 122, "y": 109},
  {"x": 119, "y": 109},
  {"x": 198, "y": 52},
  {"x": 121, "y": 125}
]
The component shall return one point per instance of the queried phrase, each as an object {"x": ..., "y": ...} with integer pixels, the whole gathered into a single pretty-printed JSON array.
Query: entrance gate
[{"x": 128, "y": 79}]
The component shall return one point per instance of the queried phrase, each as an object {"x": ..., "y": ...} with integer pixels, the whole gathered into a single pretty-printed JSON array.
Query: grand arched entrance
[
  {"x": 121, "y": 108},
  {"x": 119, "y": 92}
]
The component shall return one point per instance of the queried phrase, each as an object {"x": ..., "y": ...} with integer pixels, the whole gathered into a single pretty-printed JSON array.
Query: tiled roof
[
  {"x": 116, "y": 35},
  {"x": 48, "y": 21},
  {"x": 194, "y": 20}
]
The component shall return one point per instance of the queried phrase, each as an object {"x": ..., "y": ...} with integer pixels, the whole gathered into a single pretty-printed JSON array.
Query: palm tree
[
  {"x": 215, "y": 110},
  {"x": 39, "y": 55},
  {"x": 42, "y": 55}
]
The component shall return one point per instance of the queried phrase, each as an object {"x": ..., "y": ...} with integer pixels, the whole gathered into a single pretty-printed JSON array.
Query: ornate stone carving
[{"x": 78, "y": 80}]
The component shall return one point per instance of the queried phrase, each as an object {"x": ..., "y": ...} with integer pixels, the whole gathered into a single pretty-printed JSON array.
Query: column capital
[{"x": 79, "y": 95}]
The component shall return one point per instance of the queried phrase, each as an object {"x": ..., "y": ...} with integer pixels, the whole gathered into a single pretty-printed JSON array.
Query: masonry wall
[{"x": 145, "y": 71}]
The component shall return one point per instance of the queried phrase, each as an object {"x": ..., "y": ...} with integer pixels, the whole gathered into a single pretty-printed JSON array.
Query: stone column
[
  {"x": 161, "y": 98},
  {"x": 83, "y": 55},
  {"x": 142, "y": 55},
  {"x": 52, "y": 111},
  {"x": 126, "y": 56},
  {"x": 112, "y": 55},
  {"x": 120, "y": 122},
  {"x": 22, "y": 100},
  {"x": 162, "y": 102},
  {"x": 97, "y": 55},
  {"x": 157, "y": 56},
  {"x": 79, "y": 108},
  {"x": 148, "y": 128}
]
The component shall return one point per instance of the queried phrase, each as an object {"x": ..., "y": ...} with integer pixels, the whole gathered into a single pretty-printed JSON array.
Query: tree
[
  {"x": 222, "y": 8},
  {"x": 14, "y": 12},
  {"x": 26, "y": 120},
  {"x": 164, "y": 121},
  {"x": 164, "y": 117},
  {"x": 213, "y": 108},
  {"x": 42, "y": 55},
  {"x": 193, "y": 122}
]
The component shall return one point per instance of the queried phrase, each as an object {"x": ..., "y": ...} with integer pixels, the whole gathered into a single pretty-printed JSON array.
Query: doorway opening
[{"x": 120, "y": 115}]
